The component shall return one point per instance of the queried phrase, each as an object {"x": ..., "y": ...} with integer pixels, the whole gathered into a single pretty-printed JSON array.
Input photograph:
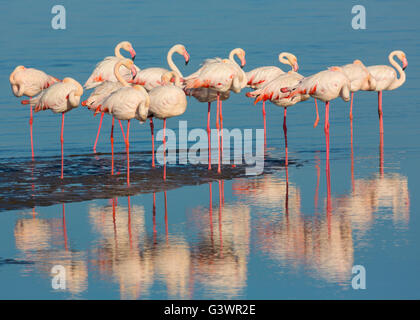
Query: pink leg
[
  {"x": 209, "y": 134},
  {"x": 317, "y": 114},
  {"x": 285, "y": 135},
  {"x": 164, "y": 149},
  {"x": 112, "y": 146},
  {"x": 127, "y": 147},
  {"x": 154, "y": 218},
  {"x": 99, "y": 130},
  {"x": 381, "y": 124},
  {"x": 122, "y": 130},
  {"x": 352, "y": 155},
  {"x": 31, "y": 120},
  {"x": 62, "y": 142},
  {"x": 327, "y": 129},
  {"x": 153, "y": 142},
  {"x": 221, "y": 129},
  {"x": 381, "y": 155},
  {"x": 218, "y": 131},
  {"x": 265, "y": 130},
  {"x": 351, "y": 106}
]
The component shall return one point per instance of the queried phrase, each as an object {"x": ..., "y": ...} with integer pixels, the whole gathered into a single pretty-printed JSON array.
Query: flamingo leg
[
  {"x": 99, "y": 130},
  {"x": 164, "y": 149},
  {"x": 62, "y": 143},
  {"x": 153, "y": 142},
  {"x": 127, "y": 147},
  {"x": 209, "y": 134},
  {"x": 381, "y": 124},
  {"x": 122, "y": 130},
  {"x": 381, "y": 155},
  {"x": 166, "y": 217},
  {"x": 351, "y": 106},
  {"x": 317, "y": 114},
  {"x": 211, "y": 214},
  {"x": 329, "y": 204},
  {"x": 265, "y": 129},
  {"x": 285, "y": 135},
  {"x": 218, "y": 130},
  {"x": 31, "y": 120},
  {"x": 112, "y": 146},
  {"x": 221, "y": 129},
  {"x": 352, "y": 155},
  {"x": 327, "y": 129}
]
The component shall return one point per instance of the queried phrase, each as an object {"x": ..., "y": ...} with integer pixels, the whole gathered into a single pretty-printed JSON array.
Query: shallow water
[{"x": 279, "y": 235}]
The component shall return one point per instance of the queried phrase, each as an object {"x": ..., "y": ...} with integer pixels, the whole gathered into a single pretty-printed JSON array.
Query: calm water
[{"x": 279, "y": 235}]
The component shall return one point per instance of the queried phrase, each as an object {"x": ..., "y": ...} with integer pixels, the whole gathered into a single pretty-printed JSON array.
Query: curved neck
[
  {"x": 74, "y": 96},
  {"x": 118, "y": 75},
  {"x": 171, "y": 63},
  {"x": 12, "y": 77},
  {"x": 232, "y": 56},
  {"x": 117, "y": 51},
  {"x": 397, "y": 82},
  {"x": 283, "y": 58}
]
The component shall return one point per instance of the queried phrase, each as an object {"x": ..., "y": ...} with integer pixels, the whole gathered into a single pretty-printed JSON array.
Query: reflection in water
[
  {"x": 123, "y": 253},
  {"x": 44, "y": 241},
  {"x": 220, "y": 255},
  {"x": 213, "y": 254}
]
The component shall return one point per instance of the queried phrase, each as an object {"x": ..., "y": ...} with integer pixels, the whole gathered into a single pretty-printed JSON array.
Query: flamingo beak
[
  {"x": 295, "y": 66},
  {"x": 243, "y": 62},
  {"x": 187, "y": 57},
  {"x": 405, "y": 63},
  {"x": 133, "y": 54},
  {"x": 133, "y": 71}
]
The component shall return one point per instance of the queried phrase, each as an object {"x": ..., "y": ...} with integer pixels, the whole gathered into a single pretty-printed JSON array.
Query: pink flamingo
[
  {"x": 259, "y": 77},
  {"x": 360, "y": 79},
  {"x": 272, "y": 91},
  {"x": 325, "y": 86},
  {"x": 125, "y": 104},
  {"x": 101, "y": 92},
  {"x": 61, "y": 97},
  {"x": 30, "y": 82},
  {"x": 151, "y": 77},
  {"x": 167, "y": 101},
  {"x": 386, "y": 78},
  {"x": 105, "y": 71},
  {"x": 221, "y": 75}
]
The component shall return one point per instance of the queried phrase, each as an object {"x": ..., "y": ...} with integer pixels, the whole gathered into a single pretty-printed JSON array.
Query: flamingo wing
[
  {"x": 54, "y": 98},
  {"x": 150, "y": 78},
  {"x": 258, "y": 77},
  {"x": 167, "y": 101}
]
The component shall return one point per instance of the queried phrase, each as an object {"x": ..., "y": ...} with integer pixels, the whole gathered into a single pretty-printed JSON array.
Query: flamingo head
[
  {"x": 179, "y": 48},
  {"x": 290, "y": 59},
  {"x": 241, "y": 56},
  {"x": 127, "y": 46},
  {"x": 403, "y": 58},
  {"x": 293, "y": 62},
  {"x": 129, "y": 64}
]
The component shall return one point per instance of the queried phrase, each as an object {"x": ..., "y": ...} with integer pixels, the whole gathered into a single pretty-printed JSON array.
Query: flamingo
[
  {"x": 272, "y": 91},
  {"x": 259, "y": 77},
  {"x": 125, "y": 104},
  {"x": 386, "y": 79},
  {"x": 360, "y": 79},
  {"x": 325, "y": 86},
  {"x": 104, "y": 70},
  {"x": 61, "y": 97},
  {"x": 167, "y": 101},
  {"x": 151, "y": 77},
  {"x": 221, "y": 75},
  {"x": 101, "y": 92},
  {"x": 30, "y": 82}
]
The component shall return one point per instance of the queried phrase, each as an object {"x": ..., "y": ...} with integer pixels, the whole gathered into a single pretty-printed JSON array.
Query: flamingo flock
[{"x": 126, "y": 92}]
